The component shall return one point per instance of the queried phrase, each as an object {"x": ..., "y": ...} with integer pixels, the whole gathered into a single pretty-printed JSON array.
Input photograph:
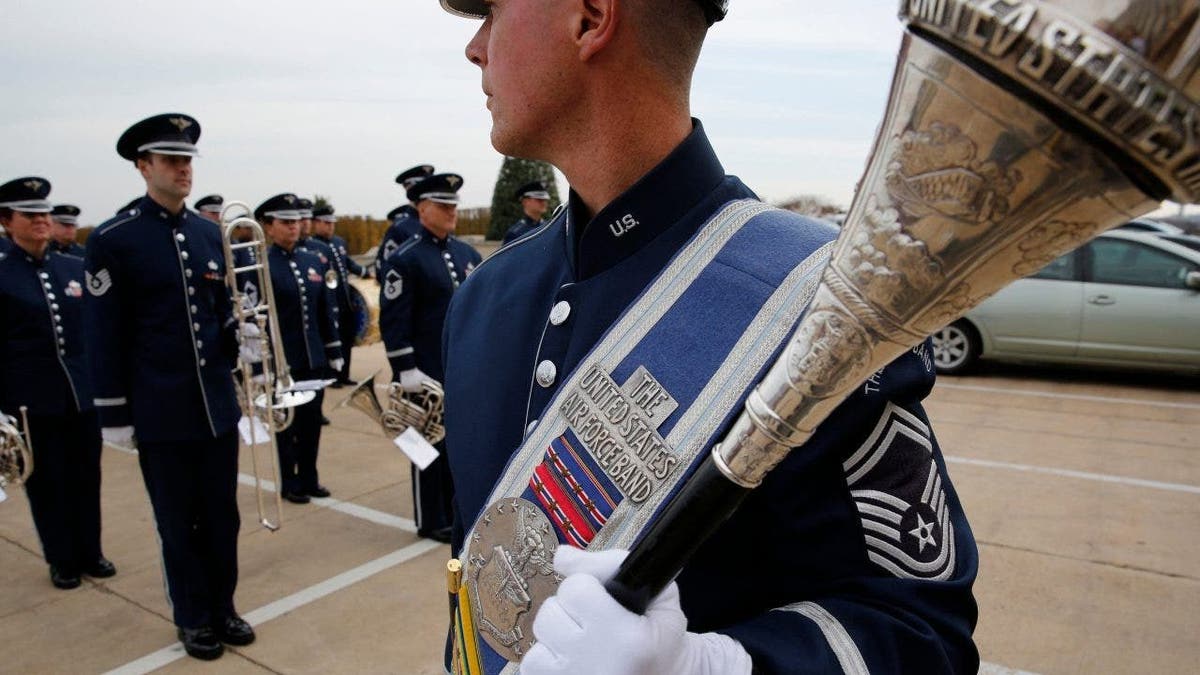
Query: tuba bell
[
  {"x": 268, "y": 395},
  {"x": 421, "y": 410},
  {"x": 16, "y": 450}
]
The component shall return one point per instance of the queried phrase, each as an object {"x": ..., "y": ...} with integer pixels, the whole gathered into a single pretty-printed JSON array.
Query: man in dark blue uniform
[
  {"x": 159, "y": 316},
  {"x": 209, "y": 206},
  {"x": 313, "y": 245},
  {"x": 308, "y": 328},
  {"x": 404, "y": 221},
  {"x": 649, "y": 294},
  {"x": 64, "y": 219},
  {"x": 534, "y": 200},
  {"x": 343, "y": 266},
  {"x": 417, "y": 282},
  {"x": 43, "y": 367}
]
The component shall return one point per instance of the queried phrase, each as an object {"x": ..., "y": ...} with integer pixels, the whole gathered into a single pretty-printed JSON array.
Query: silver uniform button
[
  {"x": 62, "y": 341},
  {"x": 202, "y": 362},
  {"x": 62, "y": 352},
  {"x": 194, "y": 309},
  {"x": 59, "y": 329},
  {"x": 52, "y": 297},
  {"x": 546, "y": 372},
  {"x": 183, "y": 254},
  {"x": 191, "y": 290},
  {"x": 43, "y": 275},
  {"x": 529, "y": 429},
  {"x": 446, "y": 255},
  {"x": 560, "y": 312},
  {"x": 196, "y": 327},
  {"x": 47, "y": 286},
  {"x": 57, "y": 318},
  {"x": 199, "y": 344},
  {"x": 54, "y": 306},
  {"x": 187, "y": 273},
  {"x": 179, "y": 237}
]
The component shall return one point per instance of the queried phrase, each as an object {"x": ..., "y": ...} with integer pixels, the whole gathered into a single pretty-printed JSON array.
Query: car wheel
[{"x": 955, "y": 348}]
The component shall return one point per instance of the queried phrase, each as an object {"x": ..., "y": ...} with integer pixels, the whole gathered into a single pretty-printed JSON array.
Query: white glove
[
  {"x": 121, "y": 437},
  {"x": 411, "y": 379},
  {"x": 583, "y": 629},
  {"x": 250, "y": 347},
  {"x": 337, "y": 364}
]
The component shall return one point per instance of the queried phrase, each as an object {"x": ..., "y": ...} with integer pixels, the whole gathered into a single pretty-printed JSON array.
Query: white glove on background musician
[
  {"x": 250, "y": 347},
  {"x": 582, "y": 629},
  {"x": 411, "y": 379},
  {"x": 121, "y": 437},
  {"x": 336, "y": 364}
]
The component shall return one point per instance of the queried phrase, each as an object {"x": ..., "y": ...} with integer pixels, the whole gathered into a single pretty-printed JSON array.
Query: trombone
[
  {"x": 16, "y": 450},
  {"x": 272, "y": 390}
]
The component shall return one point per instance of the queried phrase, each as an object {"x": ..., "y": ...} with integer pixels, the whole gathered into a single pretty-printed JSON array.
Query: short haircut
[{"x": 671, "y": 33}]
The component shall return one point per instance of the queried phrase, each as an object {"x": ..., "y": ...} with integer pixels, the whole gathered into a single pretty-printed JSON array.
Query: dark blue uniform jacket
[
  {"x": 69, "y": 249},
  {"x": 305, "y": 307},
  {"x": 159, "y": 316},
  {"x": 342, "y": 265},
  {"x": 43, "y": 351},
  {"x": 403, "y": 227},
  {"x": 416, "y": 284},
  {"x": 790, "y": 576},
  {"x": 521, "y": 228}
]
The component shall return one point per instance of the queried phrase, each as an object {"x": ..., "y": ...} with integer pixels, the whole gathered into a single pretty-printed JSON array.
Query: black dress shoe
[
  {"x": 233, "y": 630},
  {"x": 296, "y": 497},
  {"x": 101, "y": 569},
  {"x": 324, "y": 421},
  {"x": 319, "y": 491},
  {"x": 346, "y": 383},
  {"x": 64, "y": 580},
  {"x": 441, "y": 534},
  {"x": 336, "y": 384},
  {"x": 201, "y": 643}
]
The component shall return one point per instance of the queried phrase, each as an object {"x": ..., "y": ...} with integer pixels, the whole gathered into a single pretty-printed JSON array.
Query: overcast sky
[{"x": 336, "y": 98}]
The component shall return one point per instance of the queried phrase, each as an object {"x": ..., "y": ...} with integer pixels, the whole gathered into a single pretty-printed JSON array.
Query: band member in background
[
  {"x": 313, "y": 245},
  {"x": 5, "y": 242},
  {"x": 651, "y": 216},
  {"x": 159, "y": 317},
  {"x": 43, "y": 366},
  {"x": 343, "y": 265},
  {"x": 534, "y": 199},
  {"x": 417, "y": 282},
  {"x": 64, "y": 222},
  {"x": 308, "y": 327},
  {"x": 404, "y": 222},
  {"x": 209, "y": 206}
]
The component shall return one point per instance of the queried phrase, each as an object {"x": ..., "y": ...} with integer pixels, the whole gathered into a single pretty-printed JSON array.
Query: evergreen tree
[{"x": 514, "y": 173}]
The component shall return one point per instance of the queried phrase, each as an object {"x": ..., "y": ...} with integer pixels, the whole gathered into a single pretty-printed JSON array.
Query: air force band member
[
  {"x": 159, "y": 316},
  {"x": 417, "y": 282},
  {"x": 64, "y": 220},
  {"x": 308, "y": 328},
  {"x": 209, "y": 206},
  {"x": 590, "y": 367},
  {"x": 534, "y": 200},
  {"x": 343, "y": 266},
  {"x": 43, "y": 366},
  {"x": 404, "y": 221}
]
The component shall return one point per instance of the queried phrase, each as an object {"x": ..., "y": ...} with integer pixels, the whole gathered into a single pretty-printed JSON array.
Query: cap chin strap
[
  {"x": 283, "y": 215},
  {"x": 173, "y": 148},
  {"x": 28, "y": 206}
]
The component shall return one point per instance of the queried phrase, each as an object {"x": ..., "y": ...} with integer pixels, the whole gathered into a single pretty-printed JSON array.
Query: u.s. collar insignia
[
  {"x": 73, "y": 289},
  {"x": 393, "y": 285},
  {"x": 180, "y": 123},
  {"x": 98, "y": 283},
  {"x": 470, "y": 268},
  {"x": 898, "y": 491}
]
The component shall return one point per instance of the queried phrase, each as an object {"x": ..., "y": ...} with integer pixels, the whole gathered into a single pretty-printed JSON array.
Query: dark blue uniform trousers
[
  {"x": 193, "y": 489},
  {"x": 298, "y": 443},
  {"x": 433, "y": 494},
  {"x": 64, "y": 488}
]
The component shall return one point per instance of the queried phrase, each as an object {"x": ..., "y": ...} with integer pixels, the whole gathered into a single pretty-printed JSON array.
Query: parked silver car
[{"x": 1126, "y": 299}]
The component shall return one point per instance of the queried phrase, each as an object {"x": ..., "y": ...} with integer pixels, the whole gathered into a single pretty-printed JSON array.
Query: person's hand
[
  {"x": 250, "y": 347},
  {"x": 411, "y": 379},
  {"x": 336, "y": 364},
  {"x": 583, "y": 629},
  {"x": 121, "y": 437}
]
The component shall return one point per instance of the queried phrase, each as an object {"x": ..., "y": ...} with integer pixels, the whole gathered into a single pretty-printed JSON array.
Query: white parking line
[
  {"x": 1074, "y": 397},
  {"x": 348, "y": 508},
  {"x": 1068, "y": 473},
  {"x": 162, "y": 657},
  {"x": 986, "y": 668}
]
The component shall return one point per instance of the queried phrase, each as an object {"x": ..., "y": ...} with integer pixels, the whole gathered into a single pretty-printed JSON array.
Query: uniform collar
[
  {"x": 429, "y": 236},
  {"x": 159, "y": 212},
  {"x": 654, "y": 203},
  {"x": 284, "y": 252}
]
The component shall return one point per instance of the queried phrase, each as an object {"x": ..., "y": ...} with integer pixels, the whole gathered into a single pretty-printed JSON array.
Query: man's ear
[{"x": 596, "y": 25}]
